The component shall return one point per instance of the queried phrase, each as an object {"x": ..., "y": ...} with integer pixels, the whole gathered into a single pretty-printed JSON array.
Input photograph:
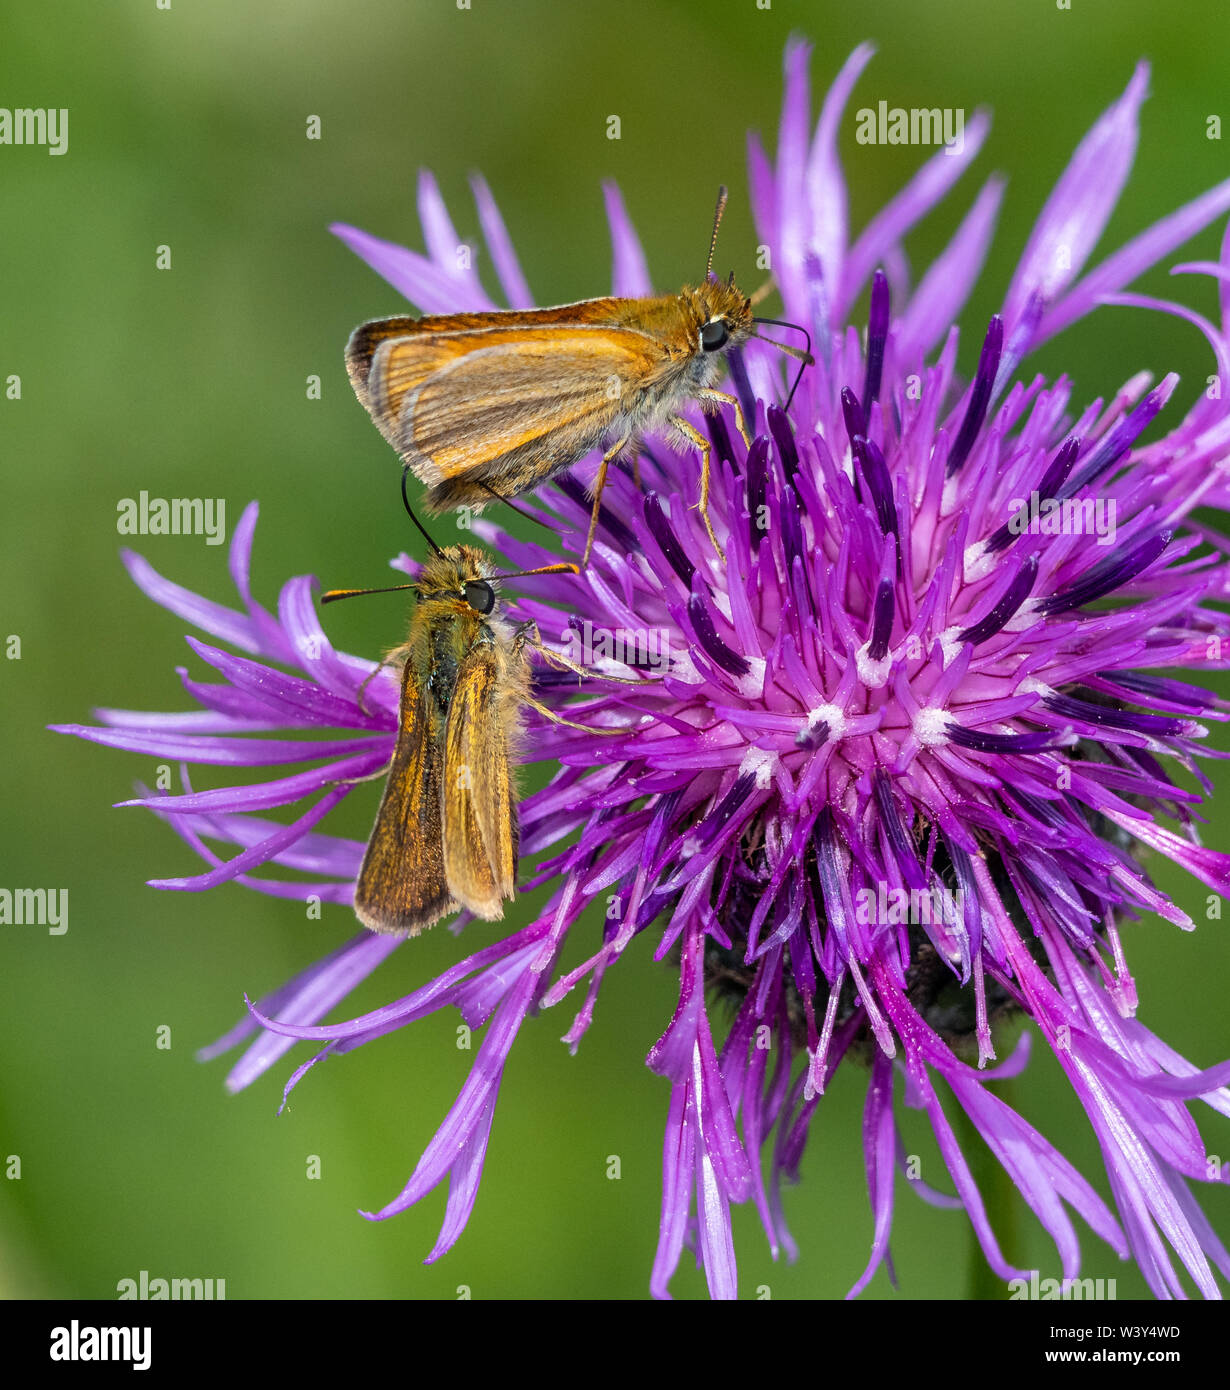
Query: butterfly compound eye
[
  {"x": 713, "y": 335},
  {"x": 480, "y": 595}
]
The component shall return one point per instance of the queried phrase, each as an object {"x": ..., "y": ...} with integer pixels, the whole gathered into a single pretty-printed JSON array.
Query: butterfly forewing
[
  {"x": 403, "y": 885},
  {"x": 366, "y": 340},
  {"x": 455, "y": 393},
  {"x": 480, "y": 821},
  {"x": 513, "y": 390},
  {"x": 362, "y": 345}
]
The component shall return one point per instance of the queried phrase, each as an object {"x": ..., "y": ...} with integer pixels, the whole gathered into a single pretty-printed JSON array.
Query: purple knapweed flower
[{"x": 889, "y": 771}]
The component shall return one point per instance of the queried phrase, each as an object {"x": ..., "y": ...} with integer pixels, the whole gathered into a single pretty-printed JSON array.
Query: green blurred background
[{"x": 187, "y": 128}]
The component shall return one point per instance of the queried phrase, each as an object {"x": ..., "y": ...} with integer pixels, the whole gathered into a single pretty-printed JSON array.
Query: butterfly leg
[
  {"x": 371, "y": 776},
  {"x": 760, "y": 295},
  {"x": 367, "y": 680},
  {"x": 528, "y": 635},
  {"x": 393, "y": 656},
  {"x": 695, "y": 436},
  {"x": 550, "y": 714},
  {"x": 727, "y": 399},
  {"x": 521, "y": 638},
  {"x": 599, "y": 484}
]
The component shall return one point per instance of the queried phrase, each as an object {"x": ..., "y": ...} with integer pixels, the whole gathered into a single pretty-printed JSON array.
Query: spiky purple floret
[{"x": 896, "y": 682}]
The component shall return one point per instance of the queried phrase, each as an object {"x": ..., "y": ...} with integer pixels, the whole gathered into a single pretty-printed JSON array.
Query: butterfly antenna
[
  {"x": 803, "y": 355},
  {"x": 563, "y": 568},
  {"x": 717, "y": 222},
  {"x": 529, "y": 516},
  {"x": 405, "y": 472},
  {"x": 334, "y": 594}
]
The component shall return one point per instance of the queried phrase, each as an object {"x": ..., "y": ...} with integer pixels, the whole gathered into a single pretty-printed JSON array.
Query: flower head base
[{"x": 891, "y": 767}]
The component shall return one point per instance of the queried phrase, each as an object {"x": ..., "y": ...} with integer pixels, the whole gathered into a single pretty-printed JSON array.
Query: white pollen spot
[
  {"x": 1031, "y": 685},
  {"x": 873, "y": 674},
  {"x": 832, "y": 715},
  {"x": 847, "y": 462},
  {"x": 1023, "y": 617},
  {"x": 950, "y": 644},
  {"x": 751, "y": 683},
  {"x": 978, "y": 562},
  {"x": 689, "y": 847},
  {"x": 950, "y": 499},
  {"x": 929, "y": 727},
  {"x": 683, "y": 668},
  {"x": 762, "y": 762}
]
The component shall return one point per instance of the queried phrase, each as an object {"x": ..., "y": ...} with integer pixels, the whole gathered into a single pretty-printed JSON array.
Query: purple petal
[
  {"x": 417, "y": 278},
  {"x": 258, "y": 854},
  {"x": 879, "y": 1139},
  {"x": 235, "y": 628},
  {"x": 826, "y": 185},
  {"x": 927, "y": 188},
  {"x": 629, "y": 273},
  {"x": 503, "y": 257},
  {"x": 1131, "y": 260},
  {"x": 944, "y": 289},
  {"x": 1078, "y": 209},
  {"x": 309, "y": 996},
  {"x": 263, "y": 795}
]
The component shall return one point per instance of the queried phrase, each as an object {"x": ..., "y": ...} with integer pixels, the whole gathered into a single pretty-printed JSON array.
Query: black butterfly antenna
[
  {"x": 802, "y": 354},
  {"x": 334, "y": 594},
  {"x": 405, "y": 473}
]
